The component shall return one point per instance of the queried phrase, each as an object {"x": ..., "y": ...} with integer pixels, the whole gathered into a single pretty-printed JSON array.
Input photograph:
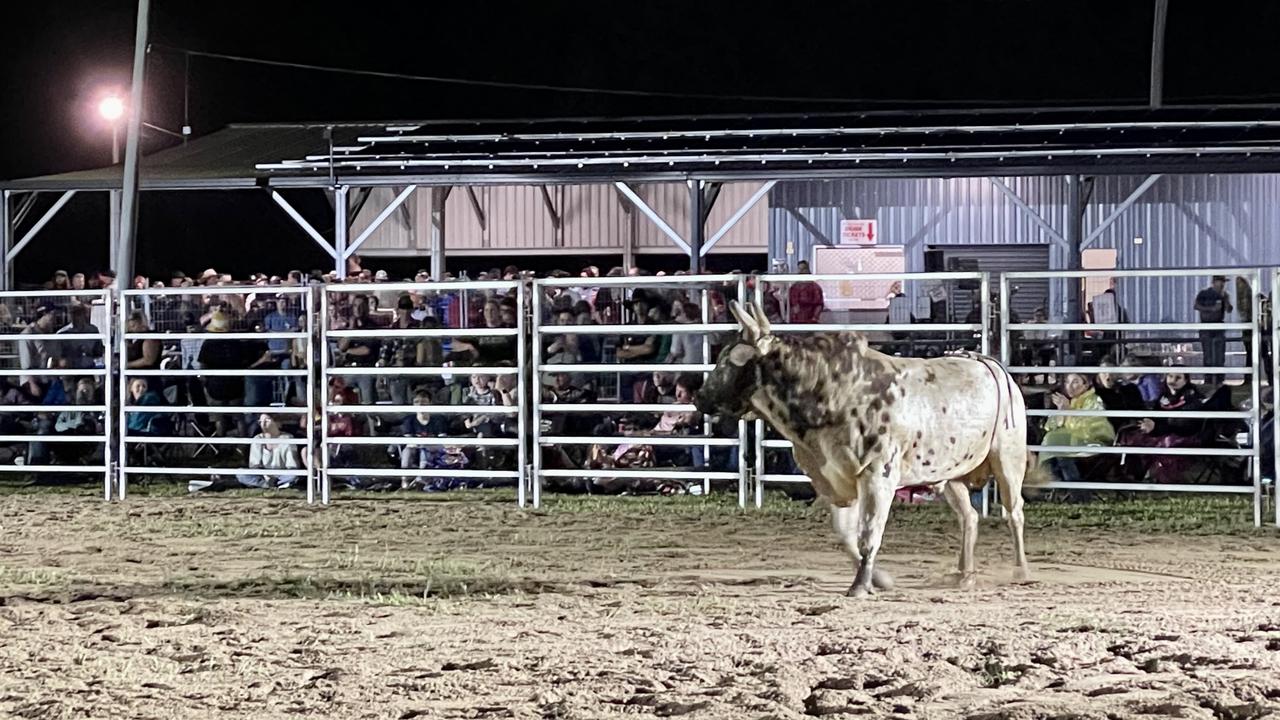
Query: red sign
[{"x": 859, "y": 232}]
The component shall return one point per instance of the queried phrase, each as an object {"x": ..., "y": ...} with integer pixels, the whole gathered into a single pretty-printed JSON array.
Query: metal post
[
  {"x": 1275, "y": 393},
  {"x": 535, "y": 479},
  {"x": 1157, "y": 54},
  {"x": 1075, "y": 238},
  {"x": 697, "y": 228},
  {"x": 1255, "y": 339},
  {"x": 760, "y": 466},
  {"x": 439, "y": 197},
  {"x": 6, "y": 239},
  {"x": 743, "y": 438},
  {"x": 129, "y": 203},
  {"x": 523, "y": 388},
  {"x": 113, "y": 196},
  {"x": 340, "y": 230},
  {"x": 984, "y": 309},
  {"x": 308, "y": 386},
  {"x": 115, "y": 298},
  {"x": 324, "y": 399}
]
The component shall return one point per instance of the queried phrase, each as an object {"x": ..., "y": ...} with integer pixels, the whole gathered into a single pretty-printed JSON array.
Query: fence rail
[{"x": 520, "y": 359}]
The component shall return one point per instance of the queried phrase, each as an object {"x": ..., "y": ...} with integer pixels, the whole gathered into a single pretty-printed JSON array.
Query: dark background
[{"x": 57, "y": 56}]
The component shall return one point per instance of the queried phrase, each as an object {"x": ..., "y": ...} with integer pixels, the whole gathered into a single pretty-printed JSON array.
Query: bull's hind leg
[
  {"x": 1009, "y": 465},
  {"x": 957, "y": 494},
  {"x": 848, "y": 522}
]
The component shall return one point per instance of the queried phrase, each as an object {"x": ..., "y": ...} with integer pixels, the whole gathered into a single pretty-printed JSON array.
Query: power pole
[
  {"x": 129, "y": 201},
  {"x": 1157, "y": 55}
]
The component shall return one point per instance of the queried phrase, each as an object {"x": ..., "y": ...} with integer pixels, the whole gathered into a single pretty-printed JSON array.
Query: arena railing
[
  {"x": 370, "y": 411},
  {"x": 236, "y": 315},
  {"x": 34, "y": 350},
  {"x": 1252, "y": 415},
  {"x": 703, "y": 286},
  {"x": 1274, "y": 359},
  {"x": 956, "y": 335}
]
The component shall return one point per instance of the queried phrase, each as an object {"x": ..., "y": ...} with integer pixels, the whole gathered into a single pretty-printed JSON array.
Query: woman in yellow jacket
[{"x": 1076, "y": 430}]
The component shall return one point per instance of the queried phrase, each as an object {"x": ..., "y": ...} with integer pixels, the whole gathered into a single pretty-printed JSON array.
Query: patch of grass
[{"x": 30, "y": 576}]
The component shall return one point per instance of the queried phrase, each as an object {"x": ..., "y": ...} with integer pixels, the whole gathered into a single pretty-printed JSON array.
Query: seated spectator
[
  {"x": 421, "y": 425},
  {"x": 1117, "y": 393},
  {"x": 145, "y": 423},
  {"x": 1077, "y": 394},
  {"x": 1178, "y": 394},
  {"x": 271, "y": 456},
  {"x": 1149, "y": 385}
]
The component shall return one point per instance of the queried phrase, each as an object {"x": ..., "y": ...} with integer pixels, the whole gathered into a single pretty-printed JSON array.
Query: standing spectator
[
  {"x": 1213, "y": 305},
  {"x": 806, "y": 299}
]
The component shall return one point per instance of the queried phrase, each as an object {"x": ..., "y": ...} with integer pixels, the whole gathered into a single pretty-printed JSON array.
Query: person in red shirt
[{"x": 805, "y": 297}]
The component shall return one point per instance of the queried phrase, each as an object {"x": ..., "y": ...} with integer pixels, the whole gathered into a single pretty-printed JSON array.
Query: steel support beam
[
  {"x": 697, "y": 225},
  {"x": 133, "y": 139},
  {"x": 302, "y": 223},
  {"x": 623, "y": 201},
  {"x": 439, "y": 195},
  {"x": 807, "y": 224},
  {"x": 1075, "y": 238},
  {"x": 341, "y": 229},
  {"x": 24, "y": 207},
  {"x": 12, "y": 252},
  {"x": 6, "y": 237},
  {"x": 475, "y": 205},
  {"x": 1031, "y": 213},
  {"x": 652, "y": 214},
  {"x": 738, "y": 215},
  {"x": 362, "y": 197},
  {"x": 1219, "y": 240},
  {"x": 551, "y": 207},
  {"x": 711, "y": 195},
  {"x": 1128, "y": 202},
  {"x": 377, "y": 221},
  {"x": 1157, "y": 54}
]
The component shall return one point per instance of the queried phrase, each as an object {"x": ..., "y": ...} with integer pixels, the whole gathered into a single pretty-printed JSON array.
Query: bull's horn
[
  {"x": 762, "y": 321},
  {"x": 750, "y": 328}
]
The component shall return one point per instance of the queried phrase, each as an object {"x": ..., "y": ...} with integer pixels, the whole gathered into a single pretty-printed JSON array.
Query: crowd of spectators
[{"x": 271, "y": 407}]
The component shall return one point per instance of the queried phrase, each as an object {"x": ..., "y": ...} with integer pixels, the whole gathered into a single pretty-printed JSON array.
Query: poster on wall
[
  {"x": 859, "y": 232},
  {"x": 852, "y": 293}
]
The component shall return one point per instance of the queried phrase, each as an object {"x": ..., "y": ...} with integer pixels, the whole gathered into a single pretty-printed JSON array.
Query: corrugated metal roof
[{"x": 868, "y": 144}]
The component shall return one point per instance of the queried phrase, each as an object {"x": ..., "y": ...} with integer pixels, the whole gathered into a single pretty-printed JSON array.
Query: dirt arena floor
[{"x": 460, "y": 606}]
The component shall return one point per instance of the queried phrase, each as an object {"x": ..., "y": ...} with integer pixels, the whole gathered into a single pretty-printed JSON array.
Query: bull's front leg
[
  {"x": 848, "y": 523},
  {"x": 874, "y": 501}
]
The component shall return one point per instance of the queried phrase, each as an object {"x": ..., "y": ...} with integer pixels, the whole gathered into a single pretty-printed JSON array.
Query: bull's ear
[
  {"x": 750, "y": 328},
  {"x": 740, "y": 355},
  {"x": 762, "y": 321}
]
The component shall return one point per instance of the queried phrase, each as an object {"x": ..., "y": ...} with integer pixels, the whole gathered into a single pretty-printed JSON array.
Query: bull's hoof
[
  {"x": 966, "y": 581},
  {"x": 882, "y": 580},
  {"x": 1022, "y": 574},
  {"x": 857, "y": 590}
]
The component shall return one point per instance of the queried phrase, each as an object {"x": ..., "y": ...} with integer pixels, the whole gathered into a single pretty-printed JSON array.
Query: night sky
[{"x": 58, "y": 55}]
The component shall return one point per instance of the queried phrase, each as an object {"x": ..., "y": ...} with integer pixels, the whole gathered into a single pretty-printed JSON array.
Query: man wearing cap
[{"x": 1213, "y": 305}]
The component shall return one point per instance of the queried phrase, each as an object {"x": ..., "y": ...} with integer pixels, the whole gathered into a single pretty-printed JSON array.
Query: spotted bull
[{"x": 864, "y": 424}]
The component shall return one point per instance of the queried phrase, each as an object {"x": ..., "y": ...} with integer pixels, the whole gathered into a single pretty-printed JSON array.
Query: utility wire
[{"x": 598, "y": 91}]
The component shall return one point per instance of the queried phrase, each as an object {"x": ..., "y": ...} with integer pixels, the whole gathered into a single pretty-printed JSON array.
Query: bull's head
[{"x": 728, "y": 389}]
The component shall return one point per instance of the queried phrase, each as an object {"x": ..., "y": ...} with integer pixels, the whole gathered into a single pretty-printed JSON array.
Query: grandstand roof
[{"x": 926, "y": 143}]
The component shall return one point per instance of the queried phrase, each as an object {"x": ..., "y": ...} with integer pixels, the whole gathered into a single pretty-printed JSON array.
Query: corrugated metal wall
[
  {"x": 593, "y": 219},
  {"x": 1185, "y": 222}
]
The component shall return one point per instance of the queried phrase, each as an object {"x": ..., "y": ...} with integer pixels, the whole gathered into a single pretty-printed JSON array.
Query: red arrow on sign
[{"x": 871, "y": 231}]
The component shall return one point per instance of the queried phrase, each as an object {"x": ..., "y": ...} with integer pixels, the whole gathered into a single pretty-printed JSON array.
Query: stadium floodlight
[{"x": 111, "y": 108}]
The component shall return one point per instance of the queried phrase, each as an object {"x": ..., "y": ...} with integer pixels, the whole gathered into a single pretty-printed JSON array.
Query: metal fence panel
[
  {"x": 57, "y": 371},
  {"x": 196, "y": 364},
  {"x": 1013, "y": 337},
  {"x": 444, "y": 429},
  {"x": 565, "y": 366}
]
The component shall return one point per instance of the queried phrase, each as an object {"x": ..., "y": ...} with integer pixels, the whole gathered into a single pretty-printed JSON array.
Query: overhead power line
[{"x": 603, "y": 91}]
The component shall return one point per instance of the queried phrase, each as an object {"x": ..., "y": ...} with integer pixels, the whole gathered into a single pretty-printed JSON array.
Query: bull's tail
[{"x": 1036, "y": 479}]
